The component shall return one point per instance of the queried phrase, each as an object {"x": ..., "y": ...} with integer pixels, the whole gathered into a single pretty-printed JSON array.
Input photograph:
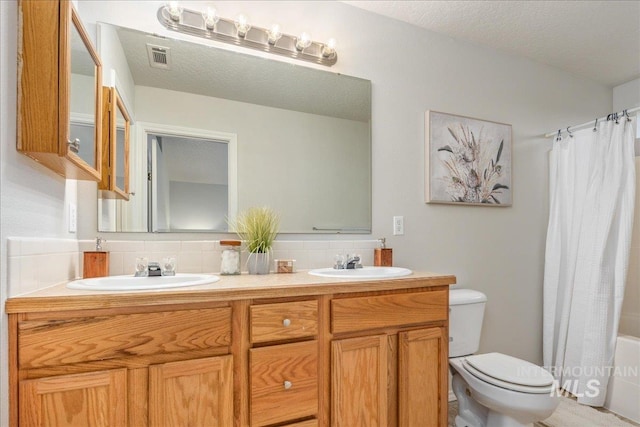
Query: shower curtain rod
[{"x": 629, "y": 111}]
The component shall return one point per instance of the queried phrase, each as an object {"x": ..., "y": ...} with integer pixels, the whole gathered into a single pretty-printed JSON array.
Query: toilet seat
[{"x": 510, "y": 373}]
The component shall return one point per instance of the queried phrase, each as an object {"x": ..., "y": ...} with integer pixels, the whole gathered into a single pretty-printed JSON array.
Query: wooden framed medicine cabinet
[
  {"x": 116, "y": 133},
  {"x": 59, "y": 90}
]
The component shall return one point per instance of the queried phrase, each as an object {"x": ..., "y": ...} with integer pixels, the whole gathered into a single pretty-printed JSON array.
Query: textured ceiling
[
  {"x": 205, "y": 70},
  {"x": 599, "y": 40}
]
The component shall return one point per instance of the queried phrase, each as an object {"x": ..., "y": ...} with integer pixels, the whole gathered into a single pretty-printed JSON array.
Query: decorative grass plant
[{"x": 258, "y": 227}]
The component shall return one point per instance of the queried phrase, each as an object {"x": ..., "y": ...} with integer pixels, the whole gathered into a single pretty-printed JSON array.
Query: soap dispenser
[
  {"x": 383, "y": 256},
  {"x": 96, "y": 263}
]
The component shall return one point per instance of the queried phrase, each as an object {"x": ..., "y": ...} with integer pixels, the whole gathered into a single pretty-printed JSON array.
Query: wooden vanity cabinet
[
  {"x": 59, "y": 90},
  {"x": 369, "y": 358},
  {"x": 158, "y": 367},
  {"x": 116, "y": 135},
  {"x": 400, "y": 343}
]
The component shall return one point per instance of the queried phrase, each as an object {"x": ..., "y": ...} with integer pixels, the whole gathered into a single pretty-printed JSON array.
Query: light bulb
[
  {"x": 174, "y": 9},
  {"x": 303, "y": 42},
  {"x": 210, "y": 18},
  {"x": 274, "y": 34},
  {"x": 329, "y": 49},
  {"x": 242, "y": 25}
]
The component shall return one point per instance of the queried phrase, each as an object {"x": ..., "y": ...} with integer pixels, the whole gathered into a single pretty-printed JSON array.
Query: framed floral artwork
[{"x": 468, "y": 161}]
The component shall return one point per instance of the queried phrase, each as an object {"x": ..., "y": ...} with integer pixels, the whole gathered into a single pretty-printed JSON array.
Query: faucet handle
[{"x": 357, "y": 261}]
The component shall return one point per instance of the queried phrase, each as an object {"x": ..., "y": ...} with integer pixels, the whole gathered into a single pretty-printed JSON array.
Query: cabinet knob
[
  {"x": 286, "y": 323},
  {"x": 288, "y": 385}
]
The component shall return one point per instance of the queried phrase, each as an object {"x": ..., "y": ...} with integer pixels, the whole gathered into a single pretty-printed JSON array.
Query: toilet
[{"x": 493, "y": 389}]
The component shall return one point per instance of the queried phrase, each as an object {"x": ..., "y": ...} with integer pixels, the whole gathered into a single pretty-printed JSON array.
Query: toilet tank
[{"x": 466, "y": 310}]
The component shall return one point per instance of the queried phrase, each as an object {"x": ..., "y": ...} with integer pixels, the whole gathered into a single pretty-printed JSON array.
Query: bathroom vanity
[{"x": 285, "y": 350}]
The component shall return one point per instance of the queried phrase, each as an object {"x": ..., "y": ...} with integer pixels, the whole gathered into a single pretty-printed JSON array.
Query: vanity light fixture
[
  {"x": 303, "y": 42},
  {"x": 274, "y": 34},
  {"x": 209, "y": 25},
  {"x": 242, "y": 26},
  {"x": 329, "y": 48},
  {"x": 175, "y": 11},
  {"x": 210, "y": 18}
]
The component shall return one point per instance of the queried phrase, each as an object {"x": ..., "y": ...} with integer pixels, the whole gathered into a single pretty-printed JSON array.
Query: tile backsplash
[
  {"x": 35, "y": 263},
  {"x": 38, "y": 263}
]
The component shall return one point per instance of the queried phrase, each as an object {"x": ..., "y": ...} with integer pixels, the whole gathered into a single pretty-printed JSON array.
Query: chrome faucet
[
  {"x": 347, "y": 263},
  {"x": 352, "y": 262},
  {"x": 152, "y": 268}
]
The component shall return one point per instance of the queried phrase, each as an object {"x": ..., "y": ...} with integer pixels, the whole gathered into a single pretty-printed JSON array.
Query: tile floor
[{"x": 453, "y": 411}]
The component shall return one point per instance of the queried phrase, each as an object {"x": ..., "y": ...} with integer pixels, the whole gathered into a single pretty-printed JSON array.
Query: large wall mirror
[{"x": 218, "y": 131}]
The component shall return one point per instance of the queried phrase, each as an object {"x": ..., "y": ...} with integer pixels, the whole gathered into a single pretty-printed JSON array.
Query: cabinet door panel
[
  {"x": 116, "y": 125},
  {"x": 422, "y": 378},
  {"x": 359, "y": 382},
  {"x": 94, "y": 399},
  {"x": 192, "y": 393}
]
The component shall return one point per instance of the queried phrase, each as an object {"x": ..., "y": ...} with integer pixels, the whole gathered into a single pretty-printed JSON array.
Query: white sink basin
[
  {"x": 130, "y": 283},
  {"x": 362, "y": 273}
]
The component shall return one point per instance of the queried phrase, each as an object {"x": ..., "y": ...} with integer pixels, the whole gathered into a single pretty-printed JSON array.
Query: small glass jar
[{"x": 230, "y": 258}]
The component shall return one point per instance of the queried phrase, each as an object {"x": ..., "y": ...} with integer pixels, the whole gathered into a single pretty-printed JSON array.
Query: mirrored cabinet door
[
  {"x": 123, "y": 135},
  {"x": 81, "y": 132},
  {"x": 59, "y": 90},
  {"x": 116, "y": 140}
]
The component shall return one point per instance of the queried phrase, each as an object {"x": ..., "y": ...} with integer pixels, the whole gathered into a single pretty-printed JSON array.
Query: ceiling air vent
[{"x": 159, "y": 57}]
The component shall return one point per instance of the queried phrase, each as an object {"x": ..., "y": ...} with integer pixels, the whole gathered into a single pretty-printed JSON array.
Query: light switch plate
[
  {"x": 398, "y": 225},
  {"x": 73, "y": 218}
]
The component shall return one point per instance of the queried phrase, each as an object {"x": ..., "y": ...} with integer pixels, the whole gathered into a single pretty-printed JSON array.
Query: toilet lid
[{"x": 509, "y": 370}]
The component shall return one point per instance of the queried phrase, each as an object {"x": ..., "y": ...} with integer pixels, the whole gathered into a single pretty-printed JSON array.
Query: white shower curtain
[{"x": 592, "y": 187}]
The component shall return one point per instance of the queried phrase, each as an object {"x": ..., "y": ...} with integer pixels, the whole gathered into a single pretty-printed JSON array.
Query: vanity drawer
[
  {"x": 284, "y": 383},
  {"x": 384, "y": 311},
  {"x": 307, "y": 423},
  {"x": 54, "y": 342},
  {"x": 283, "y": 321}
]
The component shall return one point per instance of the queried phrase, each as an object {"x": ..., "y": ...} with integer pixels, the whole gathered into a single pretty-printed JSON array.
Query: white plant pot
[{"x": 258, "y": 263}]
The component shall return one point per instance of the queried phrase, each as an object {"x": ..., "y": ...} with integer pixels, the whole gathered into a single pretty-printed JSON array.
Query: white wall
[
  {"x": 627, "y": 96},
  {"x": 115, "y": 61},
  {"x": 497, "y": 250}
]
